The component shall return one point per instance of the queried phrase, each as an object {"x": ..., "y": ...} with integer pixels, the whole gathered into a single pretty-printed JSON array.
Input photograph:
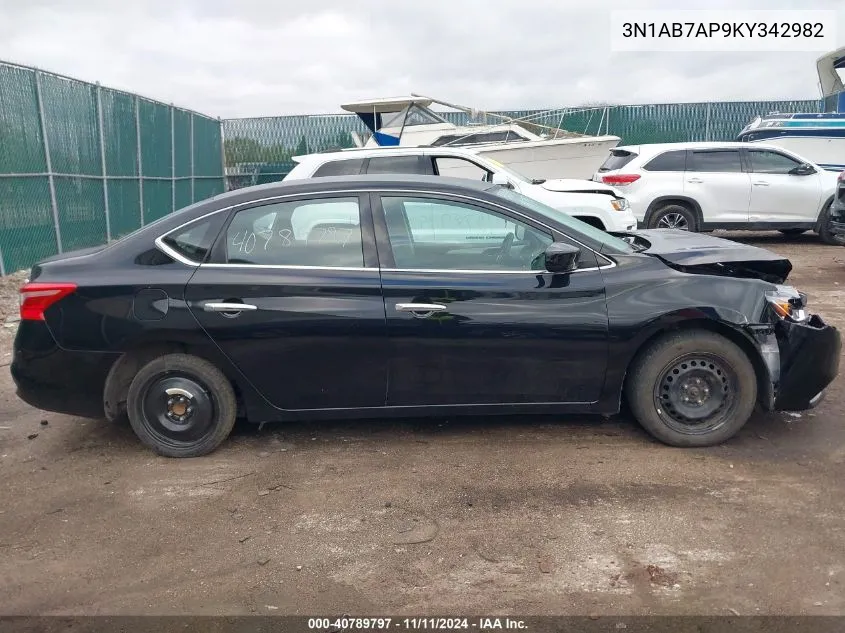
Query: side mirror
[
  {"x": 562, "y": 257},
  {"x": 802, "y": 170},
  {"x": 501, "y": 179}
]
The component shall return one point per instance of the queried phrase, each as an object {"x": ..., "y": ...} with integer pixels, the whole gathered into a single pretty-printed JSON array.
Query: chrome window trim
[
  {"x": 291, "y": 267},
  {"x": 159, "y": 241},
  {"x": 404, "y": 270}
]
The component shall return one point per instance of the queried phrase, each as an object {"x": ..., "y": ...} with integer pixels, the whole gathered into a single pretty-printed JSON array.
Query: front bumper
[
  {"x": 837, "y": 228},
  {"x": 809, "y": 361}
]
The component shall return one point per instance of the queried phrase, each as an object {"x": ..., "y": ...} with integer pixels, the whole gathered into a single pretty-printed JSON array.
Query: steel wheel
[
  {"x": 673, "y": 221},
  {"x": 178, "y": 409},
  {"x": 695, "y": 394},
  {"x": 181, "y": 406}
]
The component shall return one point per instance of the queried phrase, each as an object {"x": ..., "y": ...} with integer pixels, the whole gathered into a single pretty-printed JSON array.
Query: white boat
[
  {"x": 820, "y": 137},
  {"x": 410, "y": 122}
]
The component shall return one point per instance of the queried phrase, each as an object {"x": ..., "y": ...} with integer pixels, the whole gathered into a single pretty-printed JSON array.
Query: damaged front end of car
[{"x": 800, "y": 351}]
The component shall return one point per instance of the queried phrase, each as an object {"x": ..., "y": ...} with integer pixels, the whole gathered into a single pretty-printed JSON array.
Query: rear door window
[
  {"x": 668, "y": 161},
  {"x": 396, "y": 165},
  {"x": 617, "y": 160},
  {"x": 724, "y": 161},
  {"x": 322, "y": 232},
  {"x": 349, "y": 167}
]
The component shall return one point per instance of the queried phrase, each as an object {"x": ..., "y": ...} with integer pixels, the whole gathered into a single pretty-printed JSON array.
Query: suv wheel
[{"x": 673, "y": 216}]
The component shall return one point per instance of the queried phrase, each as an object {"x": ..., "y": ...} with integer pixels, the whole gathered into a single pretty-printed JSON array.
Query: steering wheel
[{"x": 505, "y": 248}]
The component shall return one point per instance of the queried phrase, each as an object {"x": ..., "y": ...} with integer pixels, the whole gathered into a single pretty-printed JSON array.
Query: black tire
[
  {"x": 704, "y": 362},
  {"x": 824, "y": 231},
  {"x": 673, "y": 216},
  {"x": 181, "y": 406},
  {"x": 792, "y": 232}
]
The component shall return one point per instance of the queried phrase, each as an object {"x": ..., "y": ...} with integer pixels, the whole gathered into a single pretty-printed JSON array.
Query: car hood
[
  {"x": 705, "y": 254},
  {"x": 573, "y": 185}
]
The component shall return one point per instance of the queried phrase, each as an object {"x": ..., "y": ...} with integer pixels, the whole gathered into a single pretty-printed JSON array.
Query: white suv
[
  {"x": 705, "y": 186},
  {"x": 597, "y": 204}
]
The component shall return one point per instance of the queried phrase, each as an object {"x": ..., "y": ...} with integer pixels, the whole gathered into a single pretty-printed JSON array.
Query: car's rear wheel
[
  {"x": 692, "y": 388},
  {"x": 181, "y": 406},
  {"x": 673, "y": 216}
]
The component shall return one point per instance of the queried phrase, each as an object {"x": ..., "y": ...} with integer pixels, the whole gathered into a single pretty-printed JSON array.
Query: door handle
[
  {"x": 230, "y": 307},
  {"x": 695, "y": 180},
  {"x": 761, "y": 184},
  {"x": 420, "y": 310}
]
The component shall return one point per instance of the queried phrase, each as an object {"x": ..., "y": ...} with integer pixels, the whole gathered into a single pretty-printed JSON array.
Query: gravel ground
[{"x": 527, "y": 515}]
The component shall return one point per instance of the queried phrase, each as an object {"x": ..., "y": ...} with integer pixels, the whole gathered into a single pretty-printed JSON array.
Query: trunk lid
[{"x": 708, "y": 255}]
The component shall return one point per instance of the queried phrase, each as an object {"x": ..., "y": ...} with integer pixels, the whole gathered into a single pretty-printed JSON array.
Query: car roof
[
  {"x": 659, "y": 147},
  {"x": 328, "y": 184},
  {"x": 369, "y": 152}
]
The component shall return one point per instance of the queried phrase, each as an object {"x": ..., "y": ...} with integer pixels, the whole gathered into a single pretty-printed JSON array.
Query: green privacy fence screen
[
  {"x": 81, "y": 165},
  {"x": 259, "y": 150}
]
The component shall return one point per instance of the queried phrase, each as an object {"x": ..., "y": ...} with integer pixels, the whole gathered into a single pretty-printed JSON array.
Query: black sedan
[{"x": 386, "y": 296}]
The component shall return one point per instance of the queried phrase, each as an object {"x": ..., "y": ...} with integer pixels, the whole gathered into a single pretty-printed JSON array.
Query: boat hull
[{"x": 549, "y": 159}]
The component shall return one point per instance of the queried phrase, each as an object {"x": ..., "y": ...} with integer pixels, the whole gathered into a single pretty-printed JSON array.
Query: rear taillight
[
  {"x": 37, "y": 297},
  {"x": 620, "y": 180}
]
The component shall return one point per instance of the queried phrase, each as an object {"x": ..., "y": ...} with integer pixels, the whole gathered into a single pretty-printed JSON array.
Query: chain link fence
[
  {"x": 259, "y": 150},
  {"x": 81, "y": 165}
]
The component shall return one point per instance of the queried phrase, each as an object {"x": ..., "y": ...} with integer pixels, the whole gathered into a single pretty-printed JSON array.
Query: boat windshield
[
  {"x": 411, "y": 115},
  {"x": 598, "y": 239}
]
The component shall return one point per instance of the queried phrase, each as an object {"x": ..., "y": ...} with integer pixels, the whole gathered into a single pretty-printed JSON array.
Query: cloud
[{"x": 255, "y": 57}]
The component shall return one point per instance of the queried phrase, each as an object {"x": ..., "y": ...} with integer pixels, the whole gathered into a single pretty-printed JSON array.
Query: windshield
[
  {"x": 507, "y": 170},
  {"x": 607, "y": 242}
]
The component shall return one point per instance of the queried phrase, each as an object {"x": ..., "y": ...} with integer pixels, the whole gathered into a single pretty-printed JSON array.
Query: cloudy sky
[{"x": 233, "y": 58}]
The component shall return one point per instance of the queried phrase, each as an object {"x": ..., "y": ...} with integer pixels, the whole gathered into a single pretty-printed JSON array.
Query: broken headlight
[{"x": 787, "y": 303}]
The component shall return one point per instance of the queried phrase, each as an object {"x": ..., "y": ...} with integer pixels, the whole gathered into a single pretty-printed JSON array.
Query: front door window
[{"x": 446, "y": 235}]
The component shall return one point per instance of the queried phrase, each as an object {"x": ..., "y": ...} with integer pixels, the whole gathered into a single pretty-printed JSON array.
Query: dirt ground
[{"x": 525, "y": 515}]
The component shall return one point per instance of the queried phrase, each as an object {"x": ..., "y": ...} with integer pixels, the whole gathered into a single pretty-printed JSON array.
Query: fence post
[
  {"x": 140, "y": 167},
  {"x": 103, "y": 162},
  {"x": 223, "y": 154},
  {"x": 172, "y": 158},
  {"x": 2, "y": 265},
  {"x": 50, "y": 180},
  {"x": 193, "y": 198},
  {"x": 707, "y": 124}
]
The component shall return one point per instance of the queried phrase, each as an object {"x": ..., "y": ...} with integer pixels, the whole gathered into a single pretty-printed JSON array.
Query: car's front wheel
[
  {"x": 692, "y": 388},
  {"x": 181, "y": 406},
  {"x": 673, "y": 216}
]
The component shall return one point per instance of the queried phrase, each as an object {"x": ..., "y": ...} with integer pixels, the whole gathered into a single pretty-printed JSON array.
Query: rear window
[
  {"x": 668, "y": 161},
  {"x": 617, "y": 160},
  {"x": 340, "y": 168},
  {"x": 192, "y": 241}
]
